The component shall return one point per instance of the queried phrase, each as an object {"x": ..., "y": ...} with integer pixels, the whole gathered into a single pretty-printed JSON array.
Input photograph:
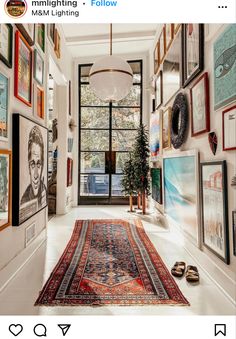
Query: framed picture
[
  {"x": 234, "y": 231},
  {"x": 69, "y": 171},
  {"x": 27, "y": 30},
  {"x": 215, "y": 208},
  {"x": 38, "y": 67},
  {"x": 5, "y": 188},
  {"x": 166, "y": 121},
  {"x": 40, "y": 36},
  {"x": 162, "y": 45},
  {"x": 176, "y": 28},
  {"x": 40, "y": 103},
  {"x": 200, "y": 106},
  {"x": 4, "y": 97},
  {"x": 6, "y": 44},
  {"x": 225, "y": 68},
  {"x": 193, "y": 51},
  {"x": 69, "y": 108},
  {"x": 30, "y": 146},
  {"x": 229, "y": 128},
  {"x": 169, "y": 35},
  {"x": 181, "y": 200},
  {"x": 51, "y": 32},
  {"x": 57, "y": 44},
  {"x": 156, "y": 58},
  {"x": 23, "y": 70},
  {"x": 172, "y": 70},
  {"x": 158, "y": 90},
  {"x": 155, "y": 135},
  {"x": 156, "y": 179}
]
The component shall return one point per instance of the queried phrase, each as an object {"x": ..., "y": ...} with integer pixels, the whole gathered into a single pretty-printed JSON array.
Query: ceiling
[{"x": 84, "y": 40}]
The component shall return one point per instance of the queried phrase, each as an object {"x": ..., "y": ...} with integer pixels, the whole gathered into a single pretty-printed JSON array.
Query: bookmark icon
[{"x": 64, "y": 327}]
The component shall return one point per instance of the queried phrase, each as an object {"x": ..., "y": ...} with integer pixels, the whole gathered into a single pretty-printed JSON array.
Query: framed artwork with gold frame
[
  {"x": 166, "y": 122},
  {"x": 162, "y": 45},
  {"x": 40, "y": 103},
  {"x": 169, "y": 35},
  {"x": 5, "y": 188},
  {"x": 57, "y": 44},
  {"x": 156, "y": 58}
]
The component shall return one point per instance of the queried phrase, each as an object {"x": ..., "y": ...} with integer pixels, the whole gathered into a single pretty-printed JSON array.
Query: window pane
[
  {"x": 132, "y": 99},
  {"x": 94, "y": 117},
  {"x": 116, "y": 189},
  {"x": 91, "y": 185},
  {"x": 125, "y": 118},
  {"x": 84, "y": 73},
  {"x": 88, "y": 98},
  {"x": 121, "y": 158},
  {"x": 94, "y": 140},
  {"x": 123, "y": 140},
  {"x": 92, "y": 162},
  {"x": 136, "y": 78}
]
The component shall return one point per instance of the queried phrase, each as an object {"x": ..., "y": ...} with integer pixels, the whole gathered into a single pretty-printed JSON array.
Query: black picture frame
[
  {"x": 187, "y": 79},
  {"x": 211, "y": 189},
  {"x": 8, "y": 62},
  {"x": 31, "y": 206},
  {"x": 158, "y": 94},
  {"x": 234, "y": 231}
]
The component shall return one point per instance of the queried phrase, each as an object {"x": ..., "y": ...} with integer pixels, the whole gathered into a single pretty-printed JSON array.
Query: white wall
[{"x": 223, "y": 274}]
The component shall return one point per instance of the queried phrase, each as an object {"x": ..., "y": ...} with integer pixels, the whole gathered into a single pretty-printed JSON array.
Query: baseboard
[{"x": 17, "y": 263}]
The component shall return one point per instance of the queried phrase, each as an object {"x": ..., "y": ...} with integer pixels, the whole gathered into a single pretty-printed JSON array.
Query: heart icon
[{"x": 15, "y": 329}]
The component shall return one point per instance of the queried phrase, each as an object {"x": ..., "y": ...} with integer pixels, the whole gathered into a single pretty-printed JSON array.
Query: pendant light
[{"x": 111, "y": 77}]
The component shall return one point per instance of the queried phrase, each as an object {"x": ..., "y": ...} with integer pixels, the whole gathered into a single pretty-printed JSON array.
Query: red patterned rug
[{"x": 110, "y": 262}]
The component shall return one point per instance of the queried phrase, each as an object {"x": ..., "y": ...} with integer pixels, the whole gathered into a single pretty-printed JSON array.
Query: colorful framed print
[
  {"x": 172, "y": 70},
  {"x": 166, "y": 131},
  {"x": 181, "y": 200},
  {"x": 234, "y": 231},
  {"x": 38, "y": 67},
  {"x": 23, "y": 70},
  {"x": 4, "y": 95},
  {"x": 155, "y": 135},
  {"x": 215, "y": 208},
  {"x": 200, "y": 106},
  {"x": 193, "y": 51},
  {"x": 57, "y": 44},
  {"x": 156, "y": 179},
  {"x": 5, "y": 188},
  {"x": 6, "y": 44},
  {"x": 162, "y": 45},
  {"x": 40, "y": 103},
  {"x": 27, "y": 30},
  {"x": 229, "y": 129},
  {"x": 156, "y": 58},
  {"x": 158, "y": 90},
  {"x": 40, "y": 36},
  {"x": 69, "y": 171},
  {"x": 225, "y": 68},
  {"x": 169, "y": 35},
  {"x": 30, "y": 146},
  {"x": 51, "y": 33}
]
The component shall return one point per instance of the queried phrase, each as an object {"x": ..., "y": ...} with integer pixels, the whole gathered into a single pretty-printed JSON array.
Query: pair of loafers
[{"x": 178, "y": 270}]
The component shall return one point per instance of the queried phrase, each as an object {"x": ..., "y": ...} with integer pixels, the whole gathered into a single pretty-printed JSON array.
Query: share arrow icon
[{"x": 65, "y": 328}]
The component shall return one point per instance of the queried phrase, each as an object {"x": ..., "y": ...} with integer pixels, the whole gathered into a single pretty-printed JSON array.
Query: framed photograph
[
  {"x": 155, "y": 135},
  {"x": 229, "y": 128},
  {"x": 5, "y": 188},
  {"x": 6, "y": 39},
  {"x": 30, "y": 180},
  {"x": 158, "y": 90},
  {"x": 215, "y": 208},
  {"x": 40, "y": 103},
  {"x": 156, "y": 179},
  {"x": 23, "y": 70},
  {"x": 234, "y": 231},
  {"x": 51, "y": 32},
  {"x": 27, "y": 30},
  {"x": 200, "y": 106},
  {"x": 172, "y": 70},
  {"x": 225, "y": 68},
  {"x": 69, "y": 171},
  {"x": 193, "y": 52},
  {"x": 38, "y": 67},
  {"x": 69, "y": 108},
  {"x": 156, "y": 58},
  {"x": 162, "y": 45},
  {"x": 176, "y": 28},
  {"x": 166, "y": 136},
  {"x": 4, "y": 97},
  {"x": 40, "y": 36},
  {"x": 169, "y": 35},
  {"x": 57, "y": 44},
  {"x": 181, "y": 200}
]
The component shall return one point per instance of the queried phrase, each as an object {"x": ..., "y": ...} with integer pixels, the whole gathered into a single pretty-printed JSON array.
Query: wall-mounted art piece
[
  {"x": 156, "y": 58},
  {"x": 225, "y": 68},
  {"x": 40, "y": 102},
  {"x": 181, "y": 178},
  {"x": 23, "y": 70},
  {"x": 169, "y": 35},
  {"x": 213, "y": 142},
  {"x": 6, "y": 39},
  {"x": 172, "y": 70},
  {"x": 57, "y": 44},
  {"x": 162, "y": 45},
  {"x": 193, "y": 51},
  {"x": 158, "y": 90},
  {"x": 234, "y": 231},
  {"x": 156, "y": 179},
  {"x": 200, "y": 106},
  {"x": 30, "y": 149},
  {"x": 166, "y": 128},
  {"x": 179, "y": 121},
  {"x": 40, "y": 36},
  {"x": 215, "y": 208},
  {"x": 155, "y": 135},
  {"x": 4, "y": 95},
  {"x": 5, "y": 188},
  {"x": 176, "y": 28},
  {"x": 38, "y": 67},
  {"x": 27, "y": 30},
  {"x": 229, "y": 128},
  {"x": 51, "y": 33},
  {"x": 69, "y": 171}
]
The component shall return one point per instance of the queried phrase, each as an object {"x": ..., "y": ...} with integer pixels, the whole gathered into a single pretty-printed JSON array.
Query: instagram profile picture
[{"x": 15, "y": 8}]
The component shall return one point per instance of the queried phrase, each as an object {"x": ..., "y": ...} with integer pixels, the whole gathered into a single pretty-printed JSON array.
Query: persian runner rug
[{"x": 110, "y": 262}]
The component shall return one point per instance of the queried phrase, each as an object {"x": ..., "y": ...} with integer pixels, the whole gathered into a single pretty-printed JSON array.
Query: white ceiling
[{"x": 84, "y": 40}]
